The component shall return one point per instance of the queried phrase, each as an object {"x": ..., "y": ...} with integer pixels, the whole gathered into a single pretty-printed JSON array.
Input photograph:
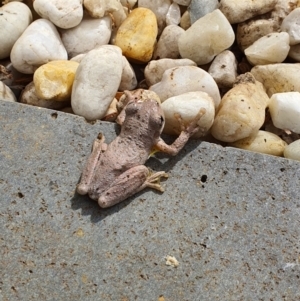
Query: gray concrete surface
[{"x": 231, "y": 218}]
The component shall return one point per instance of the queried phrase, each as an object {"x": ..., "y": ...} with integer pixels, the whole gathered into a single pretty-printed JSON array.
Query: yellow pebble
[
  {"x": 137, "y": 35},
  {"x": 54, "y": 80}
]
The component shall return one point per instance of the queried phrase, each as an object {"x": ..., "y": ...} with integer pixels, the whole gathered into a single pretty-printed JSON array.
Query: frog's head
[{"x": 148, "y": 113}]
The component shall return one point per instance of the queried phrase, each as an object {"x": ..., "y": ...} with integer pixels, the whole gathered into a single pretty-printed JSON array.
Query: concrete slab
[{"x": 231, "y": 218}]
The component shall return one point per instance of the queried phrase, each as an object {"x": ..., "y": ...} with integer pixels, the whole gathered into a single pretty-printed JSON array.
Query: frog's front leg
[
  {"x": 88, "y": 172},
  {"x": 129, "y": 183}
]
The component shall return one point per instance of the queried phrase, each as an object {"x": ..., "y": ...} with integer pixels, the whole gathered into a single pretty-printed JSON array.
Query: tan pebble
[
  {"x": 6, "y": 93},
  {"x": 185, "y": 21},
  {"x": 242, "y": 110},
  {"x": 263, "y": 142},
  {"x": 137, "y": 35},
  {"x": 292, "y": 151},
  {"x": 54, "y": 80}
]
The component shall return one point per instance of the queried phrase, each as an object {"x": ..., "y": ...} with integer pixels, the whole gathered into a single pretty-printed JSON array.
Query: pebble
[
  {"x": 15, "y": 18},
  {"x": 292, "y": 151},
  {"x": 187, "y": 105},
  {"x": 199, "y": 9},
  {"x": 237, "y": 11},
  {"x": 242, "y": 110},
  {"x": 167, "y": 46},
  {"x": 137, "y": 35},
  {"x": 291, "y": 25},
  {"x": 182, "y": 2},
  {"x": 278, "y": 78},
  {"x": 128, "y": 79},
  {"x": 285, "y": 111},
  {"x": 96, "y": 82},
  {"x": 89, "y": 34},
  {"x": 100, "y": 8},
  {"x": 185, "y": 21},
  {"x": 39, "y": 44},
  {"x": 223, "y": 69},
  {"x": 6, "y": 93},
  {"x": 179, "y": 80},
  {"x": 155, "y": 68},
  {"x": 294, "y": 53},
  {"x": 64, "y": 14},
  {"x": 129, "y": 3},
  {"x": 263, "y": 142},
  {"x": 173, "y": 15},
  {"x": 270, "y": 49},
  {"x": 251, "y": 30},
  {"x": 160, "y": 8},
  {"x": 206, "y": 38},
  {"x": 54, "y": 80},
  {"x": 29, "y": 97}
]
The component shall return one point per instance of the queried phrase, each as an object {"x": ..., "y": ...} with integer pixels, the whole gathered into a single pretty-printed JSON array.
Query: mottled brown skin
[{"x": 116, "y": 171}]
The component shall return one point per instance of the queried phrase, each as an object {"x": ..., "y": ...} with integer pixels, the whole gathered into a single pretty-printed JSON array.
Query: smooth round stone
[
  {"x": 100, "y": 8},
  {"x": 54, "y": 80},
  {"x": 278, "y": 78},
  {"x": 185, "y": 21},
  {"x": 15, "y": 18},
  {"x": 270, "y": 49},
  {"x": 29, "y": 97},
  {"x": 250, "y": 31},
  {"x": 159, "y": 8},
  {"x": 188, "y": 105},
  {"x": 237, "y": 11},
  {"x": 182, "y": 2},
  {"x": 155, "y": 69},
  {"x": 263, "y": 142},
  {"x": 89, "y": 34},
  {"x": 167, "y": 46},
  {"x": 6, "y": 93},
  {"x": 294, "y": 52},
  {"x": 173, "y": 15},
  {"x": 223, "y": 69},
  {"x": 128, "y": 79},
  {"x": 206, "y": 38},
  {"x": 179, "y": 80},
  {"x": 285, "y": 111},
  {"x": 291, "y": 25},
  {"x": 137, "y": 35},
  {"x": 96, "y": 82},
  {"x": 242, "y": 110},
  {"x": 292, "y": 151},
  {"x": 39, "y": 44},
  {"x": 64, "y": 14},
  {"x": 199, "y": 9}
]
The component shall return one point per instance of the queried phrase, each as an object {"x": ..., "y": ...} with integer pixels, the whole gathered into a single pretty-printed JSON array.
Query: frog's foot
[
  {"x": 193, "y": 126},
  {"x": 153, "y": 180}
]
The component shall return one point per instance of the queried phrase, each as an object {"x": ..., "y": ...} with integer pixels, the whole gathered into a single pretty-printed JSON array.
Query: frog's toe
[{"x": 82, "y": 189}]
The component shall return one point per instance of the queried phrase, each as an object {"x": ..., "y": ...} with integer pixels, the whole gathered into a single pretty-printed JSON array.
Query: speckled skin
[{"x": 116, "y": 171}]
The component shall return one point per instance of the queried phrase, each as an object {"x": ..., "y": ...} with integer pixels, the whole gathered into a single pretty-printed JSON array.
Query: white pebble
[
  {"x": 187, "y": 105},
  {"x": 6, "y": 93},
  {"x": 206, "y": 38},
  {"x": 173, "y": 15},
  {"x": 15, "y": 18},
  {"x": 237, "y": 11},
  {"x": 96, "y": 82},
  {"x": 292, "y": 151},
  {"x": 179, "y": 80},
  {"x": 100, "y": 8},
  {"x": 156, "y": 68},
  {"x": 224, "y": 69},
  {"x": 64, "y": 14},
  {"x": 167, "y": 46},
  {"x": 40, "y": 43},
  {"x": 294, "y": 53},
  {"x": 278, "y": 78},
  {"x": 128, "y": 79},
  {"x": 291, "y": 25},
  {"x": 89, "y": 34},
  {"x": 270, "y": 49},
  {"x": 285, "y": 111}
]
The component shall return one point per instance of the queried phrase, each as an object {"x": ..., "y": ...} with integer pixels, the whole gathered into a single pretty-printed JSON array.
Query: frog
[{"x": 116, "y": 171}]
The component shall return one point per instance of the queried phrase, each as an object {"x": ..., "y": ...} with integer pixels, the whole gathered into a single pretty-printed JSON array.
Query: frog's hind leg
[
  {"x": 98, "y": 148},
  {"x": 130, "y": 182}
]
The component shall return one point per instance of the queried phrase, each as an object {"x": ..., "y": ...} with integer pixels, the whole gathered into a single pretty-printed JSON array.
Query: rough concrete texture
[{"x": 231, "y": 218}]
